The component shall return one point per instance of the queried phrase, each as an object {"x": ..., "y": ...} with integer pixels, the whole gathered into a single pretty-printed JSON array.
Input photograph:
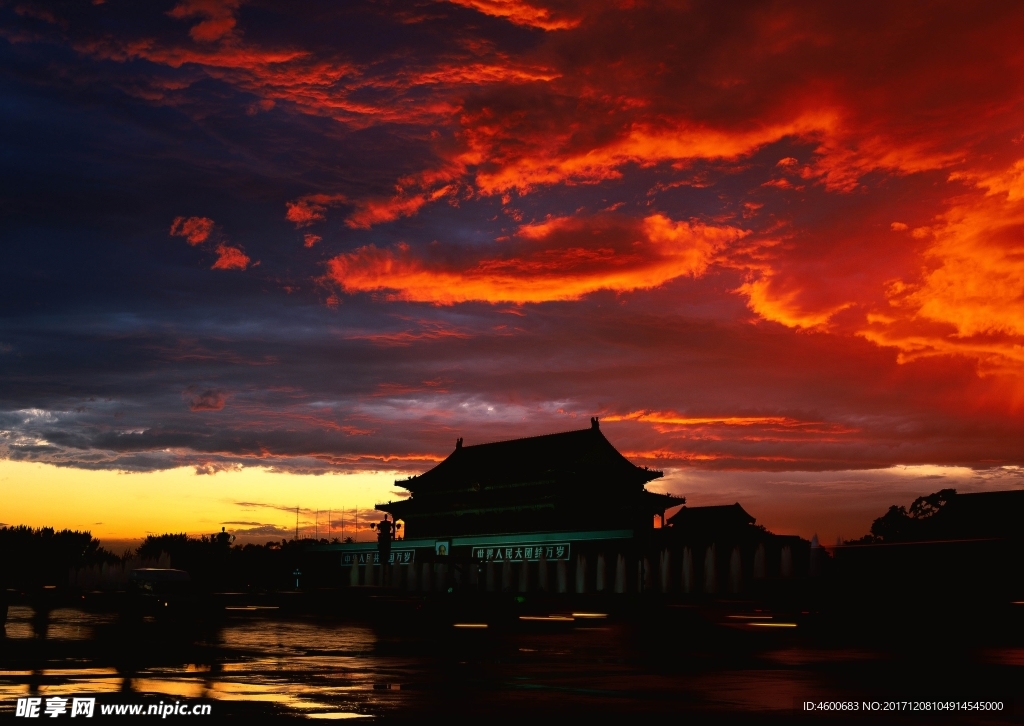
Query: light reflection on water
[
  {"x": 63, "y": 623},
  {"x": 335, "y": 669}
]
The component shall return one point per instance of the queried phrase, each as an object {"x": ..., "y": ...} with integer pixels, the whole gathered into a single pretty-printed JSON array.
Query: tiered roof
[{"x": 570, "y": 480}]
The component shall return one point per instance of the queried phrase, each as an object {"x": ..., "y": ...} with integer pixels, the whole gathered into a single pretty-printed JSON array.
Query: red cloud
[
  {"x": 560, "y": 259},
  {"x": 591, "y": 102},
  {"x": 556, "y": 161},
  {"x": 218, "y": 17},
  {"x": 195, "y": 230},
  {"x": 520, "y": 13},
  {"x": 327, "y": 87},
  {"x": 304, "y": 211},
  {"x": 377, "y": 211},
  {"x": 426, "y": 331},
  {"x": 230, "y": 258},
  {"x": 830, "y": 122},
  {"x": 773, "y": 301},
  {"x": 769, "y": 427},
  {"x": 970, "y": 299}
]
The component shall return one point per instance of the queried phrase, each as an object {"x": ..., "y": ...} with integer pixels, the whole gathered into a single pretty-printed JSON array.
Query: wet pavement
[{"x": 551, "y": 665}]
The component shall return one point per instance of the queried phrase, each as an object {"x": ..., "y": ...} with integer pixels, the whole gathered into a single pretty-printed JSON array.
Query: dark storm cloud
[{"x": 302, "y": 391}]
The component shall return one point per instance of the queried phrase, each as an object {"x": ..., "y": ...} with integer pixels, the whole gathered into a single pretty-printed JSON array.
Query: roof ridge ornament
[{"x": 594, "y": 422}]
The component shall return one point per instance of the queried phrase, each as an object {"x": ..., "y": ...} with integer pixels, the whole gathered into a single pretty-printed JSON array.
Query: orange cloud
[
  {"x": 230, "y": 258},
  {"x": 797, "y": 74},
  {"x": 823, "y": 125},
  {"x": 412, "y": 192},
  {"x": 786, "y": 305},
  {"x": 626, "y": 116},
  {"x": 425, "y": 94},
  {"x": 309, "y": 240},
  {"x": 970, "y": 300},
  {"x": 774, "y": 77},
  {"x": 520, "y": 13},
  {"x": 675, "y": 419},
  {"x": 665, "y": 420},
  {"x": 644, "y": 144},
  {"x": 561, "y": 259},
  {"x": 377, "y": 211},
  {"x": 844, "y": 154},
  {"x": 684, "y": 457},
  {"x": 195, "y": 230},
  {"x": 306, "y": 210},
  {"x": 249, "y": 63}
]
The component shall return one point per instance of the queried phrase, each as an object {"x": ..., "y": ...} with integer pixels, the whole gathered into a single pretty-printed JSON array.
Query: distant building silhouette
[
  {"x": 953, "y": 555},
  {"x": 947, "y": 515},
  {"x": 980, "y": 515},
  {"x": 724, "y": 551},
  {"x": 713, "y": 520}
]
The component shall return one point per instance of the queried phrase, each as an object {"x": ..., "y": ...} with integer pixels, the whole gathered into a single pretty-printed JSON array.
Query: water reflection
[{"x": 330, "y": 668}]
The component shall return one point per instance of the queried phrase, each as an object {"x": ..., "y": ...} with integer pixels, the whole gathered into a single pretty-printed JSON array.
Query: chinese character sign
[
  {"x": 397, "y": 557},
  {"x": 515, "y": 553}
]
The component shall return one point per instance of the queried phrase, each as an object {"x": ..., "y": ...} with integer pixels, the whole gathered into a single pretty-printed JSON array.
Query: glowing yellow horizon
[{"x": 116, "y": 505}]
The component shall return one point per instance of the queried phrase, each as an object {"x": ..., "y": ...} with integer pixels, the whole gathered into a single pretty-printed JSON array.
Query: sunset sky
[{"x": 265, "y": 255}]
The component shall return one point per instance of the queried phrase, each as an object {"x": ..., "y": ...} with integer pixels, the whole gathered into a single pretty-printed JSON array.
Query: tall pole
[
  {"x": 316, "y": 526},
  {"x": 328, "y": 525},
  {"x": 343, "y": 524},
  {"x": 296, "y": 521}
]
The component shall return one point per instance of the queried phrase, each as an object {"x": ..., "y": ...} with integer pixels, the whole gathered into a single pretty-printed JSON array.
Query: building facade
[{"x": 561, "y": 512}]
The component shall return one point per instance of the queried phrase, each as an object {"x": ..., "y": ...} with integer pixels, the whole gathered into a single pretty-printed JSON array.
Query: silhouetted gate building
[{"x": 561, "y": 513}]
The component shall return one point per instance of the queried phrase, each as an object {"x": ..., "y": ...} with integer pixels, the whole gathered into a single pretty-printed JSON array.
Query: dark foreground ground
[{"x": 395, "y": 662}]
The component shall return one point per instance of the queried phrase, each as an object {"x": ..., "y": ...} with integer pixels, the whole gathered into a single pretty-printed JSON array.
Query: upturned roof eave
[{"x": 459, "y": 465}]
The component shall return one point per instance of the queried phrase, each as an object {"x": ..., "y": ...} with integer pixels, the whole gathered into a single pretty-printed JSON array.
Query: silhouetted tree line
[
  {"x": 39, "y": 557},
  {"x": 214, "y": 563},
  {"x": 33, "y": 558},
  {"x": 900, "y": 524}
]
